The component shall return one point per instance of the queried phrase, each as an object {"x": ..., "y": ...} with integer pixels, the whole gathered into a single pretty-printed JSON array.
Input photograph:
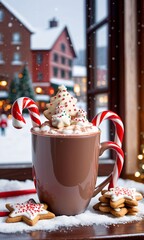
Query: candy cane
[
  {"x": 18, "y": 120},
  {"x": 119, "y": 132}
]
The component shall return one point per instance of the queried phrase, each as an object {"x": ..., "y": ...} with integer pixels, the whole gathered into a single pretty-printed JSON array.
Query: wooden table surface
[{"x": 131, "y": 231}]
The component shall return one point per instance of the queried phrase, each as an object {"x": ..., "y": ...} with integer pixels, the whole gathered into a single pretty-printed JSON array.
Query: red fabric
[{"x": 3, "y": 123}]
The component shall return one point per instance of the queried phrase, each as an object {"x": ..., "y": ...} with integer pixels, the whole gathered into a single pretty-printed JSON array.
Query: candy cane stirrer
[
  {"x": 119, "y": 132},
  {"x": 18, "y": 120}
]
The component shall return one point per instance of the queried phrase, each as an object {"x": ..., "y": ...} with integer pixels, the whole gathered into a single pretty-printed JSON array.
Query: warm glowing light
[
  {"x": 9, "y": 116},
  {"x": 77, "y": 89},
  {"x": 140, "y": 156},
  {"x": 38, "y": 90},
  {"x": 143, "y": 166},
  {"x": 50, "y": 90},
  {"x": 137, "y": 174},
  {"x": 20, "y": 75},
  {"x": 7, "y": 107},
  {"x": 1, "y": 103},
  {"x": 3, "y": 83}
]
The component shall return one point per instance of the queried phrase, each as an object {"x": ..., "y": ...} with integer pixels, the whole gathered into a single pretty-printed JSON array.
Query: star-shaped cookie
[{"x": 29, "y": 212}]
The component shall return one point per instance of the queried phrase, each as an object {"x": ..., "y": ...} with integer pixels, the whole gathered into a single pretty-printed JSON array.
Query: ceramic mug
[{"x": 65, "y": 169}]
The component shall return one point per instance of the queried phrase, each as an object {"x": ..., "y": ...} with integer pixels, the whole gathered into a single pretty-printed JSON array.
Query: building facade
[{"x": 48, "y": 54}]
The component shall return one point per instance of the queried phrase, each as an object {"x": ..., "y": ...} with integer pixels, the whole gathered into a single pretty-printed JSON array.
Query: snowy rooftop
[
  {"x": 40, "y": 39},
  {"x": 79, "y": 71},
  {"x": 18, "y": 16},
  {"x": 44, "y": 39},
  {"x": 58, "y": 81}
]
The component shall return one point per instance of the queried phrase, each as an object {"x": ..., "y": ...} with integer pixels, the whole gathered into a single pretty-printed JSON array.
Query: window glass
[
  {"x": 70, "y": 74},
  {"x": 62, "y": 73},
  {"x": 1, "y": 38},
  {"x": 63, "y": 47},
  {"x": 70, "y": 62},
  {"x": 1, "y": 57},
  {"x": 39, "y": 76},
  {"x": 55, "y": 57},
  {"x": 1, "y": 15},
  {"x": 63, "y": 60},
  {"x": 55, "y": 71},
  {"x": 102, "y": 105},
  {"x": 16, "y": 57},
  {"x": 101, "y": 7},
  {"x": 16, "y": 37},
  {"x": 101, "y": 74},
  {"x": 39, "y": 58}
]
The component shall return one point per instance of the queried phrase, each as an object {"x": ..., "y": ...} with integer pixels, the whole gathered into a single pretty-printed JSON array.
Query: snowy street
[{"x": 16, "y": 144}]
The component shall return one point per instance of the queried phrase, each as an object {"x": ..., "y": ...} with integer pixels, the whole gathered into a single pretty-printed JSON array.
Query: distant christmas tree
[
  {"x": 25, "y": 84},
  {"x": 14, "y": 89}
]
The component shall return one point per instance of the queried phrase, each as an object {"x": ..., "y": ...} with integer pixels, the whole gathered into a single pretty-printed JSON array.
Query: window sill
[
  {"x": 16, "y": 63},
  {"x": 16, "y": 43},
  {"x": 24, "y": 171}
]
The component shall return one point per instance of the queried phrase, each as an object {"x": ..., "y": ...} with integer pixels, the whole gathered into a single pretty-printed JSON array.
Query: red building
[{"x": 49, "y": 54}]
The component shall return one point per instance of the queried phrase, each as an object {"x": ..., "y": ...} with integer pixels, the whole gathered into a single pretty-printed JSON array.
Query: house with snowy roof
[{"x": 48, "y": 53}]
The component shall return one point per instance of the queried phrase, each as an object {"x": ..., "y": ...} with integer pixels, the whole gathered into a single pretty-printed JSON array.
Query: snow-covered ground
[{"x": 15, "y": 146}]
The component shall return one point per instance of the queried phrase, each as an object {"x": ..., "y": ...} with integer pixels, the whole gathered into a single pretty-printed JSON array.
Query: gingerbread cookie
[
  {"x": 105, "y": 208},
  {"x": 29, "y": 212},
  {"x": 119, "y": 201},
  {"x": 120, "y": 195}
]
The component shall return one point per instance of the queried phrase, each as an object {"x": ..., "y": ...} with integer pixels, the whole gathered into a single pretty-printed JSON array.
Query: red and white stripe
[
  {"x": 18, "y": 120},
  {"x": 119, "y": 132}
]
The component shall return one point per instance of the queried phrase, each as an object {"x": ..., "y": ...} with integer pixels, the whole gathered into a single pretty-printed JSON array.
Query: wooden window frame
[{"x": 115, "y": 88}]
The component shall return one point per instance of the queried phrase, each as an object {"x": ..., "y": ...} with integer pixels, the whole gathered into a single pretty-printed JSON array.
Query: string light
[{"x": 140, "y": 173}]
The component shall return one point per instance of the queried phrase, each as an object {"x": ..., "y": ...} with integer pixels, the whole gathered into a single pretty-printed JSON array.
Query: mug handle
[{"x": 118, "y": 164}]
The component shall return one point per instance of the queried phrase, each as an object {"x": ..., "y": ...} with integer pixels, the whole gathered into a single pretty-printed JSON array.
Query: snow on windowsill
[
  {"x": 88, "y": 218},
  {"x": 16, "y": 63}
]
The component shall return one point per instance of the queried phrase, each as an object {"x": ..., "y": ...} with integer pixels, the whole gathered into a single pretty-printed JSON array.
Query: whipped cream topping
[{"x": 46, "y": 129}]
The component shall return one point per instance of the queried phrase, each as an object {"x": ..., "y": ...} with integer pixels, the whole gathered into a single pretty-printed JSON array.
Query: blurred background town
[{"x": 35, "y": 61}]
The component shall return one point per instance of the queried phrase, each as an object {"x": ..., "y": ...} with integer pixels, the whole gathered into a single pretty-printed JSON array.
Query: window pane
[
  {"x": 101, "y": 8},
  {"x": 63, "y": 47},
  {"x": 1, "y": 38},
  {"x": 55, "y": 71},
  {"x": 101, "y": 53},
  {"x": 1, "y": 15},
  {"x": 101, "y": 102},
  {"x": 16, "y": 37},
  {"x": 39, "y": 58},
  {"x": 16, "y": 57},
  {"x": 55, "y": 57}
]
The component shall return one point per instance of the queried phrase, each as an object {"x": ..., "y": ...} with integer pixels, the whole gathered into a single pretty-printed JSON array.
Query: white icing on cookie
[
  {"x": 121, "y": 192},
  {"x": 27, "y": 209}
]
